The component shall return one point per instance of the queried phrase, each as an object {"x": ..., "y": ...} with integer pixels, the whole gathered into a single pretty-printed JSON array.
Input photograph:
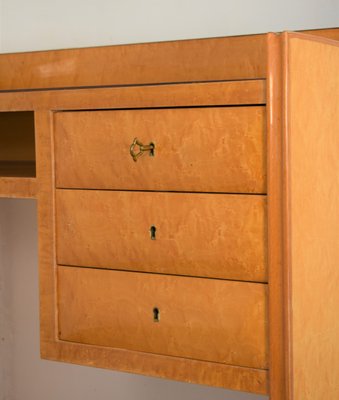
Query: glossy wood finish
[
  {"x": 224, "y": 58},
  {"x": 196, "y": 234},
  {"x": 276, "y": 287},
  {"x": 181, "y": 369},
  {"x": 214, "y": 374},
  {"x": 18, "y": 187},
  {"x": 312, "y": 110},
  {"x": 46, "y": 231},
  {"x": 180, "y": 95},
  {"x": 286, "y": 215},
  {"x": 201, "y": 319},
  {"x": 330, "y": 33},
  {"x": 232, "y": 58},
  {"x": 301, "y": 198},
  {"x": 196, "y": 149}
]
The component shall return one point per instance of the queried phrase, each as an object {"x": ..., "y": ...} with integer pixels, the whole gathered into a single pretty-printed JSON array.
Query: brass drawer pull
[{"x": 135, "y": 155}]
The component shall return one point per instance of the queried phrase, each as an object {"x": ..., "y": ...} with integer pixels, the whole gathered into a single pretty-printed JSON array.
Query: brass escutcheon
[{"x": 135, "y": 155}]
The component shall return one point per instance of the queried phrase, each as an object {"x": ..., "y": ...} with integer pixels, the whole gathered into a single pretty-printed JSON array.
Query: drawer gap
[{"x": 160, "y": 273}]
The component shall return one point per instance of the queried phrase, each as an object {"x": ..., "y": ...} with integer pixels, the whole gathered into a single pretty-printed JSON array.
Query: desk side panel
[{"x": 313, "y": 206}]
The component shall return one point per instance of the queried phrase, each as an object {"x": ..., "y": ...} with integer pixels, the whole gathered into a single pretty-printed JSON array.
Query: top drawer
[{"x": 212, "y": 149}]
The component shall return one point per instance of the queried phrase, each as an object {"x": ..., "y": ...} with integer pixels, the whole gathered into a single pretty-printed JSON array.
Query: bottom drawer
[{"x": 202, "y": 319}]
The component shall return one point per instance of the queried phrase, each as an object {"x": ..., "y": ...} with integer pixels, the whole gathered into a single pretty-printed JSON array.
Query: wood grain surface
[
  {"x": 198, "y": 149},
  {"x": 182, "y": 369},
  {"x": 229, "y": 58},
  {"x": 313, "y": 205},
  {"x": 173, "y": 95},
  {"x": 196, "y": 234},
  {"x": 224, "y": 58},
  {"x": 203, "y": 319},
  {"x": 275, "y": 235},
  {"x": 330, "y": 33},
  {"x": 46, "y": 231},
  {"x": 18, "y": 187}
]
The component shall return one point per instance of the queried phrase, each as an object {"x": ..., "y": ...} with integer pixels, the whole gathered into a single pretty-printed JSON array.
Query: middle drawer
[{"x": 211, "y": 235}]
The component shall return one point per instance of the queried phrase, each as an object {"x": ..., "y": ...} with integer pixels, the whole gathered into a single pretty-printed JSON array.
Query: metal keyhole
[
  {"x": 152, "y": 149},
  {"x": 152, "y": 231},
  {"x": 156, "y": 314}
]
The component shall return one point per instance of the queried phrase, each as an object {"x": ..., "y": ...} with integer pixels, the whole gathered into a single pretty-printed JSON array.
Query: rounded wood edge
[
  {"x": 276, "y": 278},
  {"x": 286, "y": 216}
]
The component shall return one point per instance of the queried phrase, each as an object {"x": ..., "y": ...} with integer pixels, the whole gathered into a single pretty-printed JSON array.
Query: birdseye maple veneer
[{"x": 188, "y": 206}]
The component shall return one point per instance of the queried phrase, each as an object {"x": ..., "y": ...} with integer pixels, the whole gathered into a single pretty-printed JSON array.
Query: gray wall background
[{"x": 43, "y": 24}]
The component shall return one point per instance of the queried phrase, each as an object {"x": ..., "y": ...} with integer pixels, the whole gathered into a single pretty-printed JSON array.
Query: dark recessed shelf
[
  {"x": 17, "y": 168},
  {"x": 17, "y": 144}
]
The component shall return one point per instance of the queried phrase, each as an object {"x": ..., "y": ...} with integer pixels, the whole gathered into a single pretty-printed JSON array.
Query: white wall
[
  {"x": 43, "y": 24},
  {"x": 46, "y": 24}
]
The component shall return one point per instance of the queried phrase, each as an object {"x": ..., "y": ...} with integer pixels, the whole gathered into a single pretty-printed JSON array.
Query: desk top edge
[{"x": 192, "y": 60}]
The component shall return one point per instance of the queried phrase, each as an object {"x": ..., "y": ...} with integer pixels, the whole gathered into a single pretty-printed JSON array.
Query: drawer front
[
  {"x": 211, "y": 235},
  {"x": 197, "y": 318},
  {"x": 195, "y": 149}
]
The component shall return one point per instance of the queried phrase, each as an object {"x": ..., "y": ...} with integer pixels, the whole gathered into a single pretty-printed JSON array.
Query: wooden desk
[{"x": 212, "y": 258}]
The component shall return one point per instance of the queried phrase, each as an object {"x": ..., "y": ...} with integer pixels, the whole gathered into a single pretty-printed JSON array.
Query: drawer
[
  {"x": 208, "y": 149},
  {"x": 202, "y": 319},
  {"x": 195, "y": 234}
]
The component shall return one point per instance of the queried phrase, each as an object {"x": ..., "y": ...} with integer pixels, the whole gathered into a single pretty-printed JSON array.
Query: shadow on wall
[{"x": 6, "y": 333}]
